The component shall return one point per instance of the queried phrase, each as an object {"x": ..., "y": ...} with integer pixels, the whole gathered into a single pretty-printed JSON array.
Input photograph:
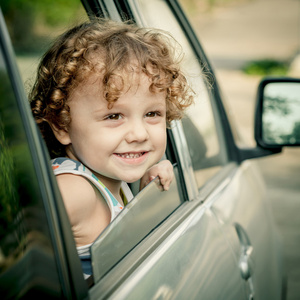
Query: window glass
[
  {"x": 204, "y": 136},
  {"x": 34, "y": 24},
  {"x": 139, "y": 218},
  {"x": 25, "y": 243}
]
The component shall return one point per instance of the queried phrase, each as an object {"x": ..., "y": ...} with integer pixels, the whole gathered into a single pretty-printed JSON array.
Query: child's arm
[
  {"x": 164, "y": 170},
  {"x": 87, "y": 210}
]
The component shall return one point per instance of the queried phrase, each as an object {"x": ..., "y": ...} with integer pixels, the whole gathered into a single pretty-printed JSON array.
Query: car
[{"x": 211, "y": 236}]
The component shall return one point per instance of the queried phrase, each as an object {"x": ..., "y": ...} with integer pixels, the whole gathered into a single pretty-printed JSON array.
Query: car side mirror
[{"x": 277, "y": 119}]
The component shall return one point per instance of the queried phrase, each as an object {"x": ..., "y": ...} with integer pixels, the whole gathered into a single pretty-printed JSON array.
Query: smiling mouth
[{"x": 130, "y": 155}]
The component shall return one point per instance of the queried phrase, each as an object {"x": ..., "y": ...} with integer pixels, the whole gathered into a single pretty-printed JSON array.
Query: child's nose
[{"x": 137, "y": 132}]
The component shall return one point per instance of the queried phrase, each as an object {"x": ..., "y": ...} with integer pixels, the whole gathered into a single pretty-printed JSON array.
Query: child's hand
[{"x": 164, "y": 170}]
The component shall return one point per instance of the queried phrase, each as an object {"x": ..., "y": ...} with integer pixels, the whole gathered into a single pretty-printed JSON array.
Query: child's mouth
[{"x": 130, "y": 155}]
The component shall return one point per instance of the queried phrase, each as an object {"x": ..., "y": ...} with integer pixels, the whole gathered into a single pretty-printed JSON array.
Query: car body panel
[
  {"x": 193, "y": 257},
  {"x": 243, "y": 205},
  {"x": 204, "y": 250},
  {"x": 175, "y": 269}
]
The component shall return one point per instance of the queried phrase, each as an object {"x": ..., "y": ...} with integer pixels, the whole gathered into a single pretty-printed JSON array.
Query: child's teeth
[{"x": 130, "y": 155}]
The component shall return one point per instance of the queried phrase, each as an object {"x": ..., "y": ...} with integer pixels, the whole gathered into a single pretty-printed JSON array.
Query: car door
[
  {"x": 241, "y": 207},
  {"x": 227, "y": 197}
]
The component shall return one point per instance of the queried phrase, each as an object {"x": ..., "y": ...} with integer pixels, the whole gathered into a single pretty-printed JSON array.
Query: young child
[{"x": 102, "y": 98}]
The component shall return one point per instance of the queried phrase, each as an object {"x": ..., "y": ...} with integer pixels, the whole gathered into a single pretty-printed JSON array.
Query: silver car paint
[{"x": 200, "y": 259}]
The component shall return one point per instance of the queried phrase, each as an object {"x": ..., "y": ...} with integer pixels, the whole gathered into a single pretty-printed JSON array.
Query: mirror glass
[{"x": 281, "y": 113}]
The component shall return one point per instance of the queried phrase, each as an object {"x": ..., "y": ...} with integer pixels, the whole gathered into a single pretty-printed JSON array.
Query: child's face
[{"x": 120, "y": 143}]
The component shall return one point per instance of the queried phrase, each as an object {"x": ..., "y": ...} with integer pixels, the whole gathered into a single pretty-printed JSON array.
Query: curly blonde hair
[{"x": 71, "y": 60}]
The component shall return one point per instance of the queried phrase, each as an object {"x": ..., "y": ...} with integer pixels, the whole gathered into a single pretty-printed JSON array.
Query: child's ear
[{"x": 62, "y": 135}]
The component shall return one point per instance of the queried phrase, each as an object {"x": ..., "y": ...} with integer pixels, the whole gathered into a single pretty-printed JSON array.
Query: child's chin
[{"x": 132, "y": 180}]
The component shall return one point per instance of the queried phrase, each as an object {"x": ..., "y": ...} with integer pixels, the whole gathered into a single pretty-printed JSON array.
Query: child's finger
[
  {"x": 166, "y": 182},
  {"x": 151, "y": 178}
]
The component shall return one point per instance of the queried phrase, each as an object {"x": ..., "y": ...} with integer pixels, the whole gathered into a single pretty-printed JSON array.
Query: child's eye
[
  {"x": 152, "y": 114},
  {"x": 114, "y": 117}
]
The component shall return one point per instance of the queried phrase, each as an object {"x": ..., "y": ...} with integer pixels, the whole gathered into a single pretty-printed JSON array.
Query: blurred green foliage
[
  {"x": 296, "y": 132},
  {"x": 18, "y": 182},
  {"x": 8, "y": 193},
  {"x": 280, "y": 107},
  {"x": 277, "y": 105},
  {"x": 31, "y": 22},
  {"x": 53, "y": 13},
  {"x": 266, "y": 67},
  {"x": 9, "y": 202}
]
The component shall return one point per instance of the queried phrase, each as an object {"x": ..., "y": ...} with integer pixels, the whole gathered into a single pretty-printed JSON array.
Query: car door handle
[
  {"x": 245, "y": 265},
  {"x": 245, "y": 262}
]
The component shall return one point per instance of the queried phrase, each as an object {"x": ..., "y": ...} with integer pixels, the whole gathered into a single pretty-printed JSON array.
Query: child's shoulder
[
  {"x": 79, "y": 195},
  {"x": 72, "y": 178}
]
